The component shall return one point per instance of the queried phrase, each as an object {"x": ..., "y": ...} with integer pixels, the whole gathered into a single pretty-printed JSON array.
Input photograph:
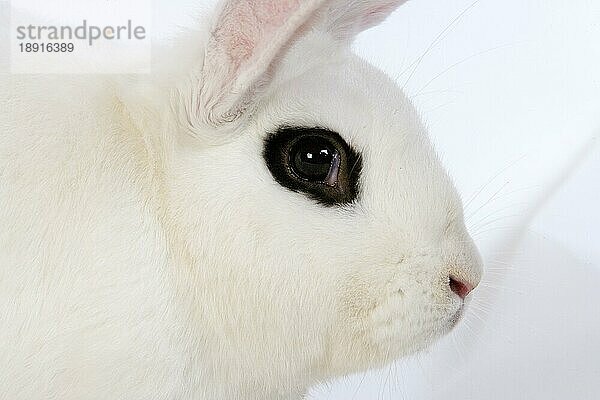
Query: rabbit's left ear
[{"x": 247, "y": 39}]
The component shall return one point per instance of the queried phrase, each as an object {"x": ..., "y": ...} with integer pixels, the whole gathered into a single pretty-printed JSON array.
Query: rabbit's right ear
[
  {"x": 344, "y": 19},
  {"x": 247, "y": 39}
]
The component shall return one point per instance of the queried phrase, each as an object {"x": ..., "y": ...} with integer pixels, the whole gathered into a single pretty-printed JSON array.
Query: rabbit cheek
[{"x": 394, "y": 312}]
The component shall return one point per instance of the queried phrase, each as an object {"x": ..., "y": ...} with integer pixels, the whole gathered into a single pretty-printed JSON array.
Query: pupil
[{"x": 312, "y": 158}]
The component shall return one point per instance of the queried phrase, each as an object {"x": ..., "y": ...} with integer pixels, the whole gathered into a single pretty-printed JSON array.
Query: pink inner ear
[
  {"x": 247, "y": 40},
  {"x": 245, "y": 26}
]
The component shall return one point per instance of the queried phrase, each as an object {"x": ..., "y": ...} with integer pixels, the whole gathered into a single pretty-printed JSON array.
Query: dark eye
[{"x": 315, "y": 161}]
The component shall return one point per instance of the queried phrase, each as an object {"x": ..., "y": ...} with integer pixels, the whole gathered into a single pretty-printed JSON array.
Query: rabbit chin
[{"x": 397, "y": 333}]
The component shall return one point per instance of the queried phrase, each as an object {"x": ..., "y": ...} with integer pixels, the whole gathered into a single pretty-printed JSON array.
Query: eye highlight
[{"x": 314, "y": 161}]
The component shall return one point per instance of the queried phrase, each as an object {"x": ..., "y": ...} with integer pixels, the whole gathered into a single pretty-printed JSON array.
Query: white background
[{"x": 510, "y": 91}]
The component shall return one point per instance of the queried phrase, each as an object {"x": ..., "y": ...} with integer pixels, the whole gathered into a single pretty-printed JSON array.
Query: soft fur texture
[{"x": 147, "y": 252}]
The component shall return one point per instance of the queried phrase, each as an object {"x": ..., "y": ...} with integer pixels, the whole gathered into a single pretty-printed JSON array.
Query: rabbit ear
[
  {"x": 246, "y": 40},
  {"x": 347, "y": 18}
]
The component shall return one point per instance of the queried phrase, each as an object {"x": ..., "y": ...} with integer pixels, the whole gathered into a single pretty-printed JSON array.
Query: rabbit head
[{"x": 316, "y": 231}]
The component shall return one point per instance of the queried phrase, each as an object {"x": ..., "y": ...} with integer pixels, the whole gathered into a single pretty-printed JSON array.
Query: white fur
[{"x": 146, "y": 253}]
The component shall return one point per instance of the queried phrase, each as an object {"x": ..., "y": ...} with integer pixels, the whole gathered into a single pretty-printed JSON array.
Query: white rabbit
[{"x": 261, "y": 213}]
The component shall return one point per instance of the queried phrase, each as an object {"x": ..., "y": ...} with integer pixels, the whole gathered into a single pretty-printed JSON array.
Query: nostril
[{"x": 462, "y": 289}]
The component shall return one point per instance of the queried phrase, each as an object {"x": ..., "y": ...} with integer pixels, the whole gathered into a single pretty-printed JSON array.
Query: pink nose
[{"x": 462, "y": 289}]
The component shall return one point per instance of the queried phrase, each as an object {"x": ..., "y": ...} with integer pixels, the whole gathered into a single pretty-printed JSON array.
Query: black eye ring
[{"x": 314, "y": 161}]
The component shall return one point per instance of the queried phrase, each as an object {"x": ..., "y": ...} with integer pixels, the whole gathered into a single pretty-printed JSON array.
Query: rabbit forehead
[
  {"x": 343, "y": 94},
  {"x": 321, "y": 83},
  {"x": 369, "y": 110}
]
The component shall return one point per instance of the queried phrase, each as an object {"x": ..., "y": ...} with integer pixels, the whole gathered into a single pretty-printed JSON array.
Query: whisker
[
  {"x": 510, "y": 206},
  {"x": 471, "y": 214},
  {"x": 437, "y": 107},
  {"x": 436, "y": 40},
  {"x": 457, "y": 64},
  {"x": 488, "y": 223},
  {"x": 501, "y": 287},
  {"x": 362, "y": 379},
  {"x": 503, "y": 196},
  {"x": 493, "y": 178}
]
